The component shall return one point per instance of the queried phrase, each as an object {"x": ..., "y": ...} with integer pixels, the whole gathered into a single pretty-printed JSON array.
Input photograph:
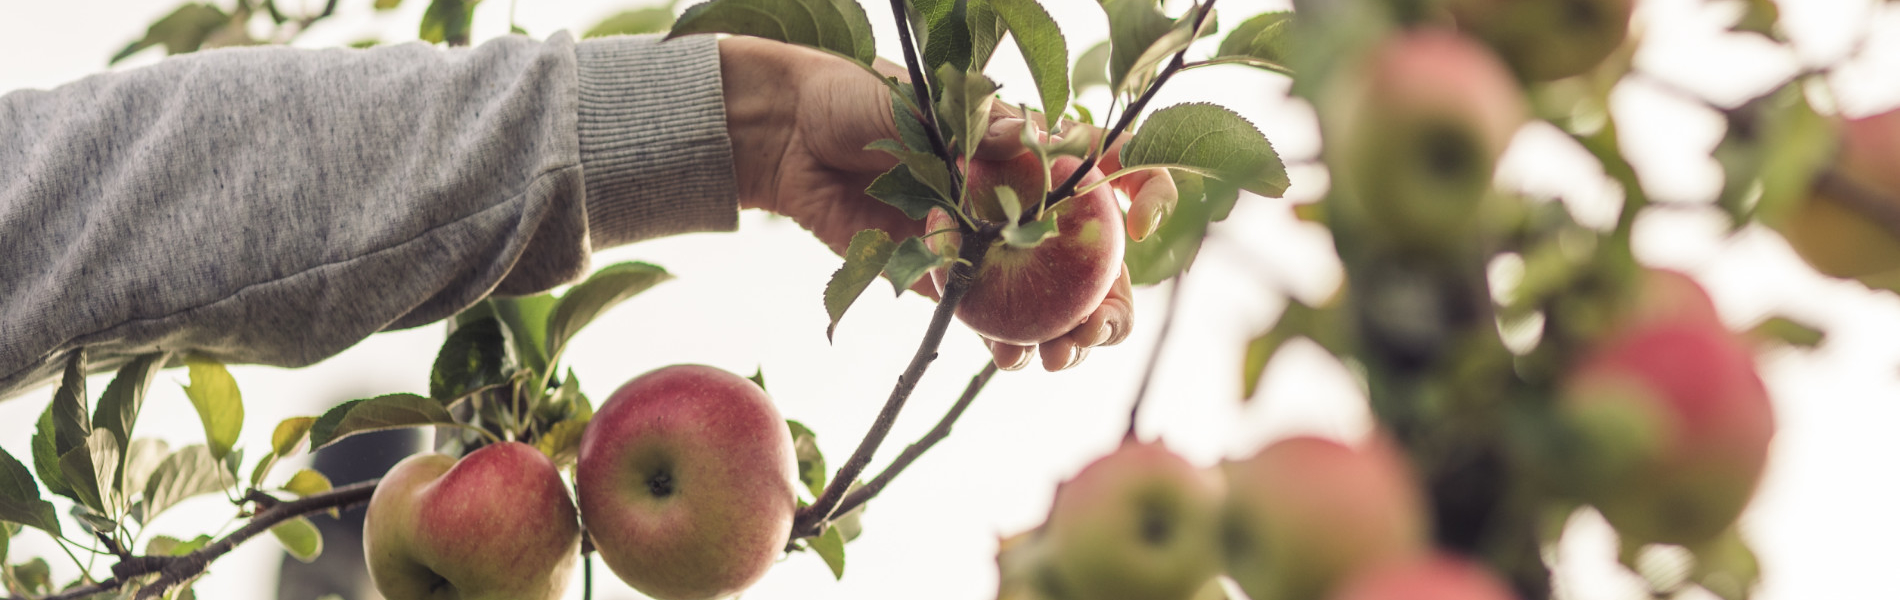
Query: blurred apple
[
  {"x": 1306, "y": 513},
  {"x": 685, "y": 481},
  {"x": 1027, "y": 296},
  {"x": 1836, "y": 238},
  {"x": 1440, "y": 577},
  {"x": 1415, "y": 132},
  {"x": 1138, "y": 524},
  {"x": 1547, "y": 39},
  {"x": 496, "y": 525}
]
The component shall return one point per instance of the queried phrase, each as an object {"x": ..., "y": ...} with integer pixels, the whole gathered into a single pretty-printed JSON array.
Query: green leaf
[
  {"x": 964, "y": 107},
  {"x": 640, "y": 20},
  {"x": 912, "y": 261},
  {"x": 986, "y": 31},
  {"x": 1133, "y": 27},
  {"x": 20, "y": 499},
  {"x": 836, "y": 25},
  {"x": 527, "y": 319},
  {"x": 863, "y": 260},
  {"x": 142, "y": 459},
  {"x": 1210, "y": 140},
  {"x": 290, "y": 434},
  {"x": 562, "y": 442},
  {"x": 1142, "y": 71},
  {"x": 607, "y": 287},
  {"x": 1769, "y": 156},
  {"x": 94, "y": 521},
  {"x": 46, "y": 456},
  {"x": 1760, "y": 17},
  {"x": 830, "y": 546},
  {"x": 71, "y": 425},
  {"x": 924, "y": 166},
  {"x": 387, "y": 4},
  {"x": 474, "y": 356},
  {"x": 170, "y": 546},
  {"x": 306, "y": 482},
  {"x": 33, "y": 576},
  {"x": 811, "y": 461},
  {"x": 447, "y": 21},
  {"x": 1789, "y": 331},
  {"x": 184, "y": 30},
  {"x": 910, "y": 126},
  {"x": 1091, "y": 69},
  {"x": 390, "y": 411},
  {"x": 946, "y": 34},
  {"x": 900, "y": 188},
  {"x": 215, "y": 394},
  {"x": 1043, "y": 48},
  {"x": 300, "y": 538},
  {"x": 92, "y": 471},
  {"x": 758, "y": 377},
  {"x": 1022, "y": 235},
  {"x": 1268, "y": 36},
  {"x": 119, "y": 406},
  {"x": 190, "y": 471}
]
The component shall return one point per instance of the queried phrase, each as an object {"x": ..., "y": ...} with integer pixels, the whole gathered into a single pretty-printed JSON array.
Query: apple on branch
[
  {"x": 1835, "y": 237},
  {"x": 686, "y": 480},
  {"x": 1029, "y": 295},
  {"x": 495, "y": 525}
]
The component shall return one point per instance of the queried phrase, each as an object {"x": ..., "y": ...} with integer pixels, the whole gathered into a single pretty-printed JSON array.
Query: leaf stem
[
  {"x": 1241, "y": 60},
  {"x": 1128, "y": 116}
]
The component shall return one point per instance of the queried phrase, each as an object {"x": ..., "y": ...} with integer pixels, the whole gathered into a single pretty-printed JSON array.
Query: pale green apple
[{"x": 1138, "y": 524}]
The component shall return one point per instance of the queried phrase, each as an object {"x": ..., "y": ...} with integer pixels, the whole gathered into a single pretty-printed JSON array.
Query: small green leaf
[
  {"x": 1142, "y": 70},
  {"x": 912, "y": 261},
  {"x": 290, "y": 434},
  {"x": 836, "y": 25},
  {"x": 910, "y": 126},
  {"x": 1022, "y": 235},
  {"x": 900, "y": 188},
  {"x": 527, "y": 320},
  {"x": 190, "y": 471},
  {"x": 46, "y": 456},
  {"x": 924, "y": 166},
  {"x": 447, "y": 21},
  {"x": 1789, "y": 331},
  {"x": 20, "y": 499},
  {"x": 758, "y": 377},
  {"x": 215, "y": 394},
  {"x": 1091, "y": 69},
  {"x": 1133, "y": 27},
  {"x": 141, "y": 461},
  {"x": 606, "y": 288},
  {"x": 306, "y": 482},
  {"x": 830, "y": 546},
  {"x": 33, "y": 576},
  {"x": 390, "y": 411},
  {"x": 300, "y": 538},
  {"x": 119, "y": 406},
  {"x": 964, "y": 107},
  {"x": 184, "y": 30},
  {"x": 863, "y": 260},
  {"x": 94, "y": 521},
  {"x": 640, "y": 20},
  {"x": 1210, "y": 140},
  {"x": 562, "y": 442},
  {"x": 71, "y": 424},
  {"x": 946, "y": 34},
  {"x": 1267, "y": 36},
  {"x": 811, "y": 461},
  {"x": 474, "y": 356},
  {"x": 164, "y": 545},
  {"x": 387, "y": 4},
  {"x": 1044, "y": 50},
  {"x": 986, "y": 31}
]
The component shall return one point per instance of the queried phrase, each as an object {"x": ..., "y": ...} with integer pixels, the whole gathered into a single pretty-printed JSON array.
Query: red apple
[
  {"x": 1835, "y": 238},
  {"x": 1547, "y": 39},
  {"x": 1027, "y": 296},
  {"x": 496, "y": 525},
  {"x": 1307, "y": 512},
  {"x": 686, "y": 482},
  {"x": 1440, "y": 577},
  {"x": 1676, "y": 427},
  {"x": 1414, "y": 133},
  {"x": 1138, "y": 524}
]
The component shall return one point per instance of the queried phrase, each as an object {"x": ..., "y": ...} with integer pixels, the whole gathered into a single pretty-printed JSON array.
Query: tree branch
[
  {"x": 1883, "y": 209},
  {"x": 920, "y": 87},
  {"x": 970, "y": 256},
  {"x": 910, "y": 454},
  {"x": 1154, "y": 358},
  {"x": 1127, "y": 119}
]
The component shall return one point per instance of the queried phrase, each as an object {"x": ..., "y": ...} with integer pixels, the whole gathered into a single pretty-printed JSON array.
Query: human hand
[{"x": 799, "y": 121}]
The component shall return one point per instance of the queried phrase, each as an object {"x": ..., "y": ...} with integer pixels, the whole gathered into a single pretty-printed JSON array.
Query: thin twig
[
  {"x": 920, "y": 87},
  {"x": 1127, "y": 119},
  {"x": 1154, "y": 358},
  {"x": 911, "y": 453},
  {"x": 1883, "y": 209},
  {"x": 177, "y": 570}
]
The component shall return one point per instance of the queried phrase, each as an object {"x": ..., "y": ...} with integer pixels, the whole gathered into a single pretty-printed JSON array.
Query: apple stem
[
  {"x": 962, "y": 275},
  {"x": 920, "y": 87},
  {"x": 1127, "y": 119},
  {"x": 1154, "y": 357}
]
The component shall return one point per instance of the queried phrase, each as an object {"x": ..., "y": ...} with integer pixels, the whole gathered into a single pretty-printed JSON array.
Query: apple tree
[{"x": 1520, "y": 364}]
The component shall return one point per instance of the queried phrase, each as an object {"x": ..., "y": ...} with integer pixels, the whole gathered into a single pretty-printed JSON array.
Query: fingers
[
  {"x": 1153, "y": 198},
  {"x": 1003, "y": 140},
  {"x": 1107, "y": 326},
  {"x": 1010, "y": 357}
]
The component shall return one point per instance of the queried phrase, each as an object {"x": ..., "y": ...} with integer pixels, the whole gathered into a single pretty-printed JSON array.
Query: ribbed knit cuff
[{"x": 654, "y": 150}]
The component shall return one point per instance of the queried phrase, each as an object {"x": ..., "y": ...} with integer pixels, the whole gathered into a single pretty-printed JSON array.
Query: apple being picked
[
  {"x": 686, "y": 482},
  {"x": 1675, "y": 427},
  {"x": 1026, "y": 296},
  {"x": 1427, "y": 577},
  {"x": 1138, "y": 524},
  {"x": 1307, "y": 512},
  {"x": 496, "y": 525}
]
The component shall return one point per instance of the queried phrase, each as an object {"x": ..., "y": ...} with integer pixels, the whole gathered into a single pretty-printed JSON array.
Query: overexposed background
[{"x": 1824, "y": 522}]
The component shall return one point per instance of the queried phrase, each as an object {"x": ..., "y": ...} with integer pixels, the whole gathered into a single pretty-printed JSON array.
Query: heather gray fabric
[{"x": 275, "y": 205}]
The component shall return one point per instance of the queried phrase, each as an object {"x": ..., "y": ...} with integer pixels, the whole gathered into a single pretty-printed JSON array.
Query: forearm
[{"x": 277, "y": 205}]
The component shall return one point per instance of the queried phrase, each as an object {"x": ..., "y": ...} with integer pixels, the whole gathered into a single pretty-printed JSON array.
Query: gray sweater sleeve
[{"x": 275, "y": 206}]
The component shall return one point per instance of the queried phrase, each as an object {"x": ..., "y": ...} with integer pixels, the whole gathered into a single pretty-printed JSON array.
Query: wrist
[{"x": 761, "y": 93}]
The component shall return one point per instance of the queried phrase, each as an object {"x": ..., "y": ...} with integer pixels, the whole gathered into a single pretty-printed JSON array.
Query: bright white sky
[{"x": 1824, "y": 522}]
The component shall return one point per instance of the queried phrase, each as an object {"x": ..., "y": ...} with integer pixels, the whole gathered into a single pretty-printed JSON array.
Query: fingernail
[
  {"x": 1149, "y": 223},
  {"x": 1004, "y": 126},
  {"x": 1076, "y": 356},
  {"x": 1114, "y": 333},
  {"x": 1101, "y": 335}
]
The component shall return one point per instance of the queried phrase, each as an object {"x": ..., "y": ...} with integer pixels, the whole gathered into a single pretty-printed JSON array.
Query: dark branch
[
  {"x": 1154, "y": 358},
  {"x": 971, "y": 251},
  {"x": 176, "y": 570},
  {"x": 1883, "y": 209},
  {"x": 910, "y": 454},
  {"x": 1127, "y": 119},
  {"x": 920, "y": 88}
]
